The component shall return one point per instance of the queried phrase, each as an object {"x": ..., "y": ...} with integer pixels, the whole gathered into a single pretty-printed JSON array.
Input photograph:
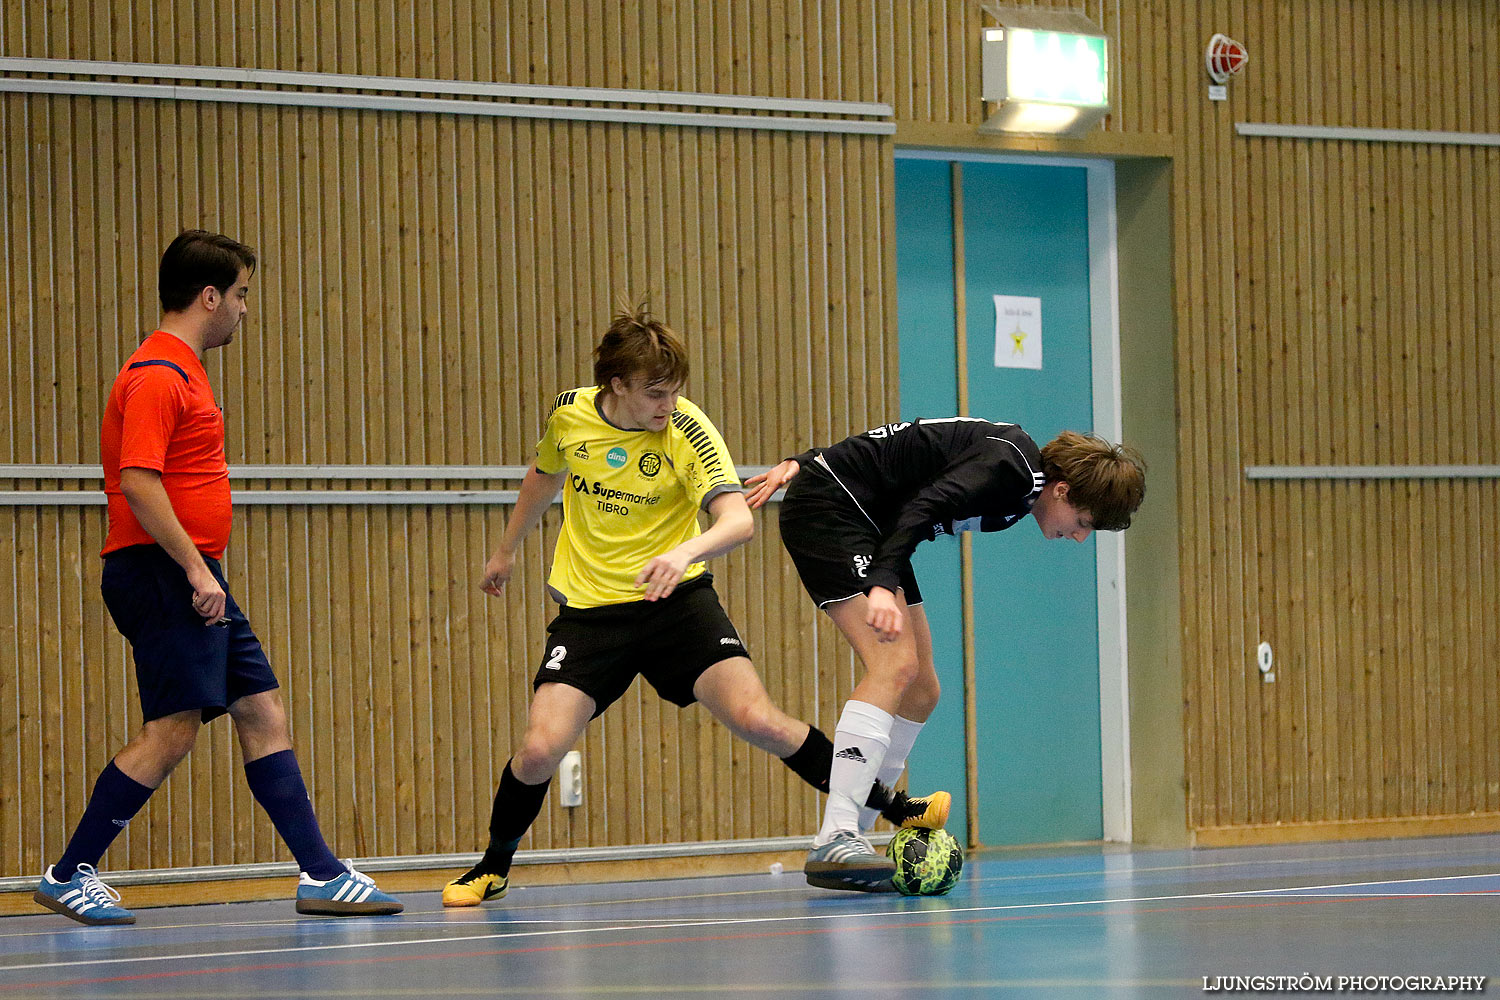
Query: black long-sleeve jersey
[{"x": 924, "y": 478}]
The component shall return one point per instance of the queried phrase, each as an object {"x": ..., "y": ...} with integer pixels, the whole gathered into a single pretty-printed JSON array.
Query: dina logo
[
  {"x": 650, "y": 464},
  {"x": 616, "y": 458},
  {"x": 582, "y": 451}
]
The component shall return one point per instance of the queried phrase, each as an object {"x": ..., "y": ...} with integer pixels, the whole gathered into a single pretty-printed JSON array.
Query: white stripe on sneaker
[{"x": 842, "y": 852}]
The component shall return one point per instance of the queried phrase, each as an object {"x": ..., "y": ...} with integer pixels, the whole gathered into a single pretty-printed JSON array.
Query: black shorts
[
  {"x": 831, "y": 541},
  {"x": 670, "y": 642},
  {"x": 181, "y": 663}
]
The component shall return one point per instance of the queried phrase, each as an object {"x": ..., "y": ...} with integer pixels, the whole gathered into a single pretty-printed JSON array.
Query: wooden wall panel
[
  {"x": 397, "y": 761},
  {"x": 1335, "y": 304},
  {"x": 427, "y": 284},
  {"x": 1333, "y": 308}
]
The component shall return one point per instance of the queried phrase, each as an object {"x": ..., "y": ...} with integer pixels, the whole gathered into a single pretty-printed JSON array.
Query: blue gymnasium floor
[{"x": 1064, "y": 922}]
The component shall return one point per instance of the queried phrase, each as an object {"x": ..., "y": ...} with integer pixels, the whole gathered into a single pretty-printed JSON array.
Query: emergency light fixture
[{"x": 1047, "y": 71}]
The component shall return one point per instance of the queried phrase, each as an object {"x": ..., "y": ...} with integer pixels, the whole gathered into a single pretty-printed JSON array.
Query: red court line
[{"x": 748, "y": 936}]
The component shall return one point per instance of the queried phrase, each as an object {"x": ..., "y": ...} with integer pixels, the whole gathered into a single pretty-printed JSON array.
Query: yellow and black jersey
[{"x": 630, "y": 496}]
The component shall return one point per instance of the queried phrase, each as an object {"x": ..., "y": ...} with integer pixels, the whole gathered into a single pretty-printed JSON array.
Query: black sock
[
  {"x": 814, "y": 759},
  {"x": 516, "y": 808},
  {"x": 116, "y": 798}
]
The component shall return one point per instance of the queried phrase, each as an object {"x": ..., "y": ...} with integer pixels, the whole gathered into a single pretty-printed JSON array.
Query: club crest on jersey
[
  {"x": 862, "y": 565},
  {"x": 650, "y": 464},
  {"x": 582, "y": 451},
  {"x": 616, "y": 458}
]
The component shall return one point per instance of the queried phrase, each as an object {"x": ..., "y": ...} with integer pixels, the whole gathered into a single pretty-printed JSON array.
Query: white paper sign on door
[{"x": 1018, "y": 332}]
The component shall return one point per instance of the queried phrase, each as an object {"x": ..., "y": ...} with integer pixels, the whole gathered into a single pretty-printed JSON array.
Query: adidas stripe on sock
[{"x": 859, "y": 747}]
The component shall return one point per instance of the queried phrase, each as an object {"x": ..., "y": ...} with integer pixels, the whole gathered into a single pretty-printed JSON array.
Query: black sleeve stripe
[
  {"x": 701, "y": 442},
  {"x": 164, "y": 364},
  {"x": 563, "y": 399}
]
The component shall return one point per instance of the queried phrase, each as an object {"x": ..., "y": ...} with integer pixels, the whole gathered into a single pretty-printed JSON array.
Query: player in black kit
[{"x": 851, "y": 518}]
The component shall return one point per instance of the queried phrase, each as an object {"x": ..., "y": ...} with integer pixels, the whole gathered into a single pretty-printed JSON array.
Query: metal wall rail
[
  {"x": 278, "y": 498},
  {"x": 417, "y": 85},
  {"x": 340, "y": 97},
  {"x": 284, "y": 498},
  {"x": 460, "y": 472},
  {"x": 1344, "y": 133},
  {"x": 418, "y": 862},
  {"x": 1372, "y": 472}
]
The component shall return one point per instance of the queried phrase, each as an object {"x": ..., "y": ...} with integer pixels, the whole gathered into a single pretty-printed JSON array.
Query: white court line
[
  {"x": 1346, "y": 885},
  {"x": 1384, "y": 895},
  {"x": 736, "y": 922},
  {"x": 456, "y": 918},
  {"x": 1105, "y": 874},
  {"x": 1480, "y": 857},
  {"x": 493, "y": 922}
]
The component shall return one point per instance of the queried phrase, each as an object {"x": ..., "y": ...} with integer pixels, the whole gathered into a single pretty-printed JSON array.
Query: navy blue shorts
[
  {"x": 670, "y": 642},
  {"x": 181, "y": 663}
]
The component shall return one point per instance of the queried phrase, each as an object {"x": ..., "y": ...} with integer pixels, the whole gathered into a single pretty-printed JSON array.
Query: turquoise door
[
  {"x": 925, "y": 317},
  {"x": 1025, "y": 231}
]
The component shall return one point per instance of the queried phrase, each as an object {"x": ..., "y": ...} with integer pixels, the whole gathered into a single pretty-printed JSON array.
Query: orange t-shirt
[{"x": 161, "y": 415}]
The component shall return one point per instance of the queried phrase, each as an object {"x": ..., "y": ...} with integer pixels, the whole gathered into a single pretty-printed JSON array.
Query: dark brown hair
[
  {"x": 195, "y": 260},
  {"x": 638, "y": 344},
  {"x": 1106, "y": 480}
]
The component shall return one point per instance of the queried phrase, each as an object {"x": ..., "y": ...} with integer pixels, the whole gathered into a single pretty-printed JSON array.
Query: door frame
[{"x": 1109, "y": 546}]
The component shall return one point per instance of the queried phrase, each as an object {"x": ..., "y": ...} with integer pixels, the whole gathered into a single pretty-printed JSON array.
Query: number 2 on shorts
[{"x": 554, "y": 662}]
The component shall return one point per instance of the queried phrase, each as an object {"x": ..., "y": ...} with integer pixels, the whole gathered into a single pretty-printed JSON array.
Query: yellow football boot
[
  {"x": 930, "y": 812},
  {"x": 474, "y": 887}
]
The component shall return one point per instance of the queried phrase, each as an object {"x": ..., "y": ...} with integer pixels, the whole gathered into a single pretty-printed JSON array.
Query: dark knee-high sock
[
  {"x": 516, "y": 808},
  {"x": 814, "y": 758},
  {"x": 116, "y": 798},
  {"x": 276, "y": 782}
]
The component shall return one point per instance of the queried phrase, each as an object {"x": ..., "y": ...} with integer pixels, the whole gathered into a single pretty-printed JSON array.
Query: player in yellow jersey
[{"x": 636, "y": 463}]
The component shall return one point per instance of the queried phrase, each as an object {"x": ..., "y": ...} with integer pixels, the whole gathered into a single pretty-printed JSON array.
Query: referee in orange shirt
[{"x": 167, "y": 481}]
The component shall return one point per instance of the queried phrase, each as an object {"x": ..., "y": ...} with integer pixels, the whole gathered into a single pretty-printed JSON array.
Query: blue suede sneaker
[
  {"x": 352, "y": 894},
  {"x": 83, "y": 897}
]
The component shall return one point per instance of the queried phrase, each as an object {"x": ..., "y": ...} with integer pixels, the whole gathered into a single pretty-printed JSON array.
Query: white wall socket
[{"x": 570, "y": 779}]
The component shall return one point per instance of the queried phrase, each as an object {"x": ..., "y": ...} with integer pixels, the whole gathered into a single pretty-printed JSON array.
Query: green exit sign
[
  {"x": 1056, "y": 67},
  {"x": 1051, "y": 67}
]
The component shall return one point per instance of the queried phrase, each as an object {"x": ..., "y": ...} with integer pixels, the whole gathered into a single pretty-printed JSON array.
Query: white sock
[
  {"x": 859, "y": 745},
  {"x": 904, "y": 734}
]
